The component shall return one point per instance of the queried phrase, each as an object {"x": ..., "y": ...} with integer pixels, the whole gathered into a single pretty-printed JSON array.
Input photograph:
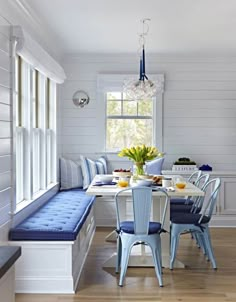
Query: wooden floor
[{"x": 198, "y": 282}]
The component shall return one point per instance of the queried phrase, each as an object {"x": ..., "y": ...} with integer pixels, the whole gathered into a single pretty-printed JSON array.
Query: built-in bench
[{"x": 55, "y": 241}]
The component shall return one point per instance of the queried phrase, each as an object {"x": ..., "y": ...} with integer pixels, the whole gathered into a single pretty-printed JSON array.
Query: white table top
[{"x": 111, "y": 190}]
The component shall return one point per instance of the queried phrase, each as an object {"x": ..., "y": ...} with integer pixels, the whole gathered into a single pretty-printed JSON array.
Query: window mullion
[
  {"x": 27, "y": 123},
  {"x": 129, "y": 117},
  {"x": 53, "y": 125},
  {"x": 42, "y": 126}
]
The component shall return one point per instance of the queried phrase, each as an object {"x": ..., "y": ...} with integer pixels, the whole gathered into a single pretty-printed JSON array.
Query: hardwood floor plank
[{"x": 197, "y": 282}]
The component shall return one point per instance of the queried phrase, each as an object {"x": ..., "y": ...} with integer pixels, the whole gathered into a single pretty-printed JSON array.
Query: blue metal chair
[
  {"x": 140, "y": 230},
  {"x": 192, "y": 204},
  {"x": 193, "y": 178},
  {"x": 197, "y": 223}
]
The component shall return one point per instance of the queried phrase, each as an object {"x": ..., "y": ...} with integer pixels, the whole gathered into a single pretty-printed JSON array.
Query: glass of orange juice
[
  {"x": 180, "y": 183},
  {"x": 123, "y": 182}
]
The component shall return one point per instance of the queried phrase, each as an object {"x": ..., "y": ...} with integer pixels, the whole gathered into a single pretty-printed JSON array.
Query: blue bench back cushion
[
  {"x": 61, "y": 218},
  {"x": 154, "y": 166}
]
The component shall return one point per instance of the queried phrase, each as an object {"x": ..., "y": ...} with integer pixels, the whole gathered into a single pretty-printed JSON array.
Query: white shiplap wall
[
  {"x": 5, "y": 129},
  {"x": 199, "y": 109}
]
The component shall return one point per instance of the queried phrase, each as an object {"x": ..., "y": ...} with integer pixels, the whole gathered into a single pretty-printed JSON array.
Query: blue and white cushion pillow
[
  {"x": 70, "y": 174},
  {"x": 92, "y": 167},
  {"x": 155, "y": 166}
]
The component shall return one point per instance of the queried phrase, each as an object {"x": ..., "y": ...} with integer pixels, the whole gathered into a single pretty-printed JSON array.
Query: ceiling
[{"x": 112, "y": 26}]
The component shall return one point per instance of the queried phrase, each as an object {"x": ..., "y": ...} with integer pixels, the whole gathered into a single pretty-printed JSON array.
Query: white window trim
[
  {"x": 114, "y": 82},
  {"x": 27, "y": 133}
]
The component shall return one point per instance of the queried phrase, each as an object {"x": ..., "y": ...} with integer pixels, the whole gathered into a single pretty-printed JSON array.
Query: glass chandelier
[{"x": 142, "y": 88}]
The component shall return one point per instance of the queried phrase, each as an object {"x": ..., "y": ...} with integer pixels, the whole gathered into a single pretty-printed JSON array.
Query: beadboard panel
[
  {"x": 4, "y": 112},
  {"x": 4, "y": 95},
  {"x": 4, "y": 44},
  {"x": 4, "y": 230},
  {"x": 204, "y": 122},
  {"x": 80, "y": 139},
  {"x": 5, "y": 214},
  {"x": 5, "y": 180},
  {"x": 5, "y": 163},
  {"x": 5, "y": 146},
  {"x": 89, "y": 130},
  {"x": 4, "y": 78},
  {"x": 81, "y": 122},
  {"x": 5, "y": 129},
  {"x": 5, "y": 197},
  {"x": 199, "y": 108},
  {"x": 4, "y": 60}
]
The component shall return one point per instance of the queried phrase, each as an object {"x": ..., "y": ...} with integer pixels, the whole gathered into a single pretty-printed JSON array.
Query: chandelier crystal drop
[{"x": 142, "y": 88}]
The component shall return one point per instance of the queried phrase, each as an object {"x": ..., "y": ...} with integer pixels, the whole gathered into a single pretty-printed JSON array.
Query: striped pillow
[
  {"x": 70, "y": 174},
  {"x": 92, "y": 167}
]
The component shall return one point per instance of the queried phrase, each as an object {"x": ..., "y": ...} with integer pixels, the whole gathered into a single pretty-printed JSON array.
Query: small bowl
[
  {"x": 144, "y": 182},
  {"x": 106, "y": 178}
]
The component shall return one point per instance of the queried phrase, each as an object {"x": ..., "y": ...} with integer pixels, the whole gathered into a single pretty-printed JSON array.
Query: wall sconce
[{"x": 80, "y": 98}]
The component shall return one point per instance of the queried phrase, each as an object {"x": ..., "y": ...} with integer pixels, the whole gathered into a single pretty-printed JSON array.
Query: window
[
  {"x": 35, "y": 135},
  {"x": 128, "y": 122},
  {"x": 122, "y": 122}
]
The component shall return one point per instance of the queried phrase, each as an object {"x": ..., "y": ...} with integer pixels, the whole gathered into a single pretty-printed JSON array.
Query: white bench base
[
  {"x": 53, "y": 266},
  {"x": 7, "y": 286}
]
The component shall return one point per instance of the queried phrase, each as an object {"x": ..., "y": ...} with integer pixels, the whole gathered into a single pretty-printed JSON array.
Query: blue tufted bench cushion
[{"x": 61, "y": 218}]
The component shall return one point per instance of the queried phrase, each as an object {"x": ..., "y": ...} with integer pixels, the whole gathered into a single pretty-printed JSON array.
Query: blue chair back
[
  {"x": 210, "y": 201},
  {"x": 202, "y": 180},
  {"x": 142, "y": 202},
  {"x": 193, "y": 178}
]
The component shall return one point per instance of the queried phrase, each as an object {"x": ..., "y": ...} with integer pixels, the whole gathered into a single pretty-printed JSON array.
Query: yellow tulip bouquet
[{"x": 140, "y": 154}]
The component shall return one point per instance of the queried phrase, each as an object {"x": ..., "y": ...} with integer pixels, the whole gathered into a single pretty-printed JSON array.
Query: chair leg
[
  {"x": 202, "y": 244},
  {"x": 155, "y": 248},
  {"x": 174, "y": 244},
  {"x": 125, "y": 252},
  {"x": 119, "y": 252},
  {"x": 196, "y": 238},
  {"x": 208, "y": 244}
]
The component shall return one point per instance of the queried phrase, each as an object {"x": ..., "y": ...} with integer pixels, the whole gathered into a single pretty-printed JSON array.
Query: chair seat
[
  {"x": 178, "y": 201},
  {"x": 128, "y": 227},
  {"x": 188, "y": 218},
  {"x": 182, "y": 208}
]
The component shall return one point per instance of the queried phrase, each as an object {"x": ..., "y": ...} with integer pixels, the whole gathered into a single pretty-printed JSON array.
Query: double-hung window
[
  {"x": 123, "y": 122},
  {"x": 128, "y": 122},
  {"x": 35, "y": 135}
]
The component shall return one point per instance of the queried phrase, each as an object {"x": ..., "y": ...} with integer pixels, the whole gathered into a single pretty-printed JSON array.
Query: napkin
[{"x": 98, "y": 183}]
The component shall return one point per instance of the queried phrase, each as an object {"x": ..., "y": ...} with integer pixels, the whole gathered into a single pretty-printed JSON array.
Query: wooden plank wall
[
  {"x": 199, "y": 112},
  {"x": 5, "y": 130}
]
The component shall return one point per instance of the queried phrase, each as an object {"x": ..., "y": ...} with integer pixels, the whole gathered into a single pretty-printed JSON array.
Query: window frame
[
  {"x": 27, "y": 133},
  {"x": 114, "y": 82},
  {"x": 131, "y": 117}
]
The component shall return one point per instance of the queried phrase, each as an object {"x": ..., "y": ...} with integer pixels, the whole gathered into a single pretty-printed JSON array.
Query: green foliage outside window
[{"x": 128, "y": 123}]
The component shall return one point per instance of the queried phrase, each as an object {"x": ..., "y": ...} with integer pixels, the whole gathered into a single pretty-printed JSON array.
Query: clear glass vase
[{"x": 139, "y": 169}]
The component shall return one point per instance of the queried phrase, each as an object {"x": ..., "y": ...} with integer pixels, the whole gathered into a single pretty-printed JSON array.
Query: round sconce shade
[{"x": 80, "y": 98}]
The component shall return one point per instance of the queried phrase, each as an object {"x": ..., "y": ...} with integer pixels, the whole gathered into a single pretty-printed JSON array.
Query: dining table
[{"x": 141, "y": 254}]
